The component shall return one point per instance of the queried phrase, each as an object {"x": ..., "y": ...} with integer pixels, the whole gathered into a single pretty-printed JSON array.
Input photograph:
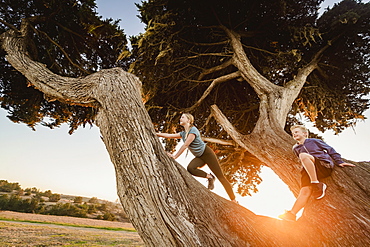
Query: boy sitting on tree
[{"x": 318, "y": 160}]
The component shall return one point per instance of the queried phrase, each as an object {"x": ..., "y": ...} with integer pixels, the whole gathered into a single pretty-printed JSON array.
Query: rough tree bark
[
  {"x": 170, "y": 208},
  {"x": 342, "y": 218}
]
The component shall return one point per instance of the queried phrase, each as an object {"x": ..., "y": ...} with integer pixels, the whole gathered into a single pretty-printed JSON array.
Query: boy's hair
[
  {"x": 190, "y": 117},
  {"x": 301, "y": 127}
]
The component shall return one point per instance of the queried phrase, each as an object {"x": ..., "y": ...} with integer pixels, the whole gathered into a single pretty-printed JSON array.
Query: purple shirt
[{"x": 320, "y": 150}]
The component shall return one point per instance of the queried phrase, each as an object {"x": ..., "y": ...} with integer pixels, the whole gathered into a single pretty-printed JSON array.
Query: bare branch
[
  {"x": 219, "y": 141},
  {"x": 9, "y": 25},
  {"x": 260, "y": 84},
  {"x": 205, "y": 44},
  {"x": 213, "y": 84},
  {"x": 258, "y": 49},
  {"x": 214, "y": 69},
  {"x": 61, "y": 48},
  {"x": 69, "y": 30},
  {"x": 304, "y": 72},
  {"x": 69, "y": 90},
  {"x": 240, "y": 139},
  {"x": 207, "y": 54}
]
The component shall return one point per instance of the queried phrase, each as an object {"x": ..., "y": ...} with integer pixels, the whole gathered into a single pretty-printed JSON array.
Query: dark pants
[
  {"x": 209, "y": 158},
  {"x": 321, "y": 172}
]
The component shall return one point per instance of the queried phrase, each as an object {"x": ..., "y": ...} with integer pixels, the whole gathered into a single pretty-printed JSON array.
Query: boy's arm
[
  {"x": 346, "y": 164},
  {"x": 294, "y": 150},
  {"x": 333, "y": 154}
]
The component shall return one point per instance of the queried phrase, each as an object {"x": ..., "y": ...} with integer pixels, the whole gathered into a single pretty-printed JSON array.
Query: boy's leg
[
  {"x": 302, "y": 199},
  {"x": 308, "y": 162},
  {"x": 311, "y": 165}
]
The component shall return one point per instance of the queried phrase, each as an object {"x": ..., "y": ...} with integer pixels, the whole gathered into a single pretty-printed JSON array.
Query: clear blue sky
[{"x": 79, "y": 164}]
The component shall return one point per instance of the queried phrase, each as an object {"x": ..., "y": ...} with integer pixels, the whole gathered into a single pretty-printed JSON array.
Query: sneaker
[
  {"x": 318, "y": 190},
  {"x": 211, "y": 182},
  {"x": 288, "y": 216}
]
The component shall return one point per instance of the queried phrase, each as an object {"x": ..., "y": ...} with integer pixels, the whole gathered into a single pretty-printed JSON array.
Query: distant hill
[{"x": 32, "y": 200}]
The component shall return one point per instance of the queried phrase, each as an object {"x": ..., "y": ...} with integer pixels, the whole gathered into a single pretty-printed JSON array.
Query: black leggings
[{"x": 209, "y": 158}]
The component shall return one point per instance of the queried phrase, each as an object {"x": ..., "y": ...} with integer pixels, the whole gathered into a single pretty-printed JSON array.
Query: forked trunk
[{"x": 342, "y": 217}]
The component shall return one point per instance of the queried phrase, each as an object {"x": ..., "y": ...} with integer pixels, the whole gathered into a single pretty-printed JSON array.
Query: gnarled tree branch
[
  {"x": 219, "y": 141},
  {"x": 240, "y": 139},
  {"x": 214, "y": 69},
  {"x": 71, "y": 90},
  {"x": 213, "y": 84},
  {"x": 9, "y": 25},
  {"x": 259, "y": 83},
  {"x": 61, "y": 49}
]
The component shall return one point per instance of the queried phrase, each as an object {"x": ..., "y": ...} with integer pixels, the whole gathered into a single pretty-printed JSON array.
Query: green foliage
[
  {"x": 33, "y": 190},
  {"x": 109, "y": 216},
  {"x": 92, "y": 209},
  {"x": 240, "y": 167},
  {"x": 54, "y": 197},
  {"x": 4, "y": 201},
  {"x": 279, "y": 38},
  {"x": 14, "y": 202},
  {"x": 93, "y": 200},
  {"x": 67, "y": 209},
  {"x": 103, "y": 207},
  {"x": 77, "y": 199},
  {"x": 47, "y": 193},
  {"x": 185, "y": 48},
  {"x": 336, "y": 95},
  {"x": 5, "y": 186},
  {"x": 72, "y": 40}
]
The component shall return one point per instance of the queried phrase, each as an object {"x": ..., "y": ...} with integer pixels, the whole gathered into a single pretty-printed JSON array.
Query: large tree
[
  {"x": 261, "y": 63},
  {"x": 249, "y": 66},
  {"x": 165, "y": 204}
]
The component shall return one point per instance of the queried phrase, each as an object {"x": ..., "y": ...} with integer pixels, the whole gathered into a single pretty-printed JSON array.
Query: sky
[{"x": 79, "y": 164}]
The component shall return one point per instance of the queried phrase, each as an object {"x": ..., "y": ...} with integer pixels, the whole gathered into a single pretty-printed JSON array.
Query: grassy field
[{"x": 19, "y": 229}]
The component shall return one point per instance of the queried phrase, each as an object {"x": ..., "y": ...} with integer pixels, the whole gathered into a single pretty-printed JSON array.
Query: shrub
[
  {"x": 109, "y": 216},
  {"x": 78, "y": 199},
  {"x": 94, "y": 200},
  {"x": 54, "y": 197},
  {"x": 5, "y": 186}
]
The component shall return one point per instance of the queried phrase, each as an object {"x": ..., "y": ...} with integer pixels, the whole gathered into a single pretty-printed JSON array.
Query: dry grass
[
  {"x": 64, "y": 219},
  {"x": 13, "y": 233}
]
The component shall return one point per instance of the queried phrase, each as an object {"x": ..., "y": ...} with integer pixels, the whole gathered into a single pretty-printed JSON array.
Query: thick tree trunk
[
  {"x": 165, "y": 204},
  {"x": 342, "y": 217}
]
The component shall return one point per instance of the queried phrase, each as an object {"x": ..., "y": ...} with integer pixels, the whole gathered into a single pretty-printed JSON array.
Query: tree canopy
[
  {"x": 72, "y": 40},
  {"x": 185, "y": 56},
  {"x": 161, "y": 198},
  {"x": 185, "y": 61},
  {"x": 185, "y": 49}
]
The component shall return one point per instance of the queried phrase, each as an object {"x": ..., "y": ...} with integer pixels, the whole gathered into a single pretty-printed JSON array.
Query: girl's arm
[
  {"x": 188, "y": 140},
  {"x": 166, "y": 135}
]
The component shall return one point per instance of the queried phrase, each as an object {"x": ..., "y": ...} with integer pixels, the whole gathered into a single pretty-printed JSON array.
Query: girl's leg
[
  {"x": 193, "y": 168},
  {"x": 211, "y": 160}
]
